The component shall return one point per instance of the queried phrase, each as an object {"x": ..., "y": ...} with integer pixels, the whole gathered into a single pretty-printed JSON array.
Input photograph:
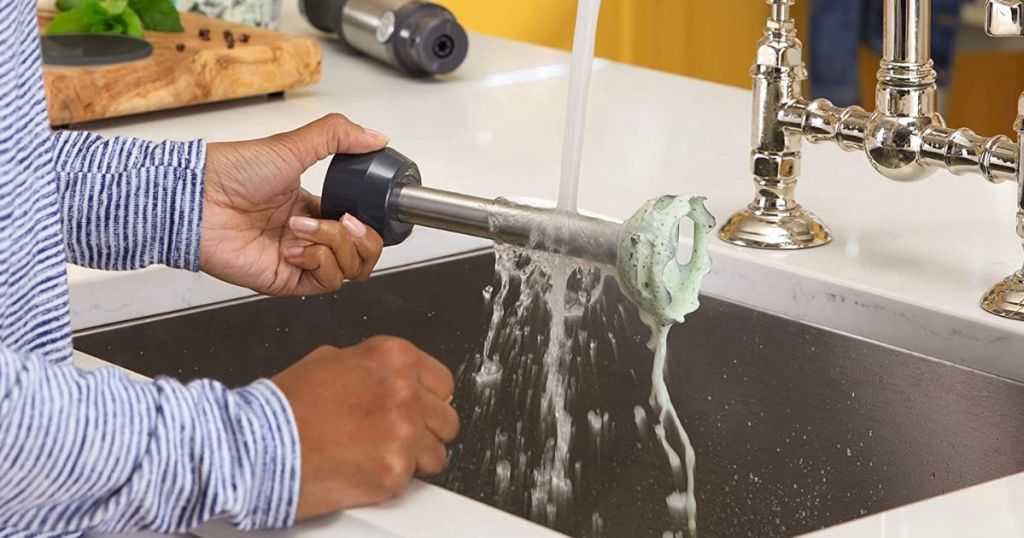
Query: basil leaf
[
  {"x": 116, "y": 16},
  {"x": 88, "y": 17},
  {"x": 132, "y": 22},
  {"x": 69, "y": 22},
  {"x": 157, "y": 15},
  {"x": 113, "y": 7}
]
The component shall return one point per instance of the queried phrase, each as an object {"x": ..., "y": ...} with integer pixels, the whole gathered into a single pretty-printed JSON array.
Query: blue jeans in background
[{"x": 839, "y": 27}]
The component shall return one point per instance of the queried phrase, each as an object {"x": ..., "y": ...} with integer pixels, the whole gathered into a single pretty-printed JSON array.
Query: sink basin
[{"x": 795, "y": 427}]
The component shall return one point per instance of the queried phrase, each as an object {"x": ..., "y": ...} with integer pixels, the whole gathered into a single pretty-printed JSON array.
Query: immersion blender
[
  {"x": 418, "y": 38},
  {"x": 384, "y": 190}
]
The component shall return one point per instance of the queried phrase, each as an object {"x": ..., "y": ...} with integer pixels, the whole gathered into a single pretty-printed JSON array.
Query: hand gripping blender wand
[{"x": 383, "y": 189}]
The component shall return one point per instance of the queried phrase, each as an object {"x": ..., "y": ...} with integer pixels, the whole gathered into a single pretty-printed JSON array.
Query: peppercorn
[
  {"x": 244, "y": 38},
  {"x": 204, "y": 34},
  {"x": 179, "y": 47}
]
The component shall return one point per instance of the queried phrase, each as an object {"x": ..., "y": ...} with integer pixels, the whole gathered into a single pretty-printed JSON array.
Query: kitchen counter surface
[
  {"x": 907, "y": 268},
  {"x": 991, "y": 510}
]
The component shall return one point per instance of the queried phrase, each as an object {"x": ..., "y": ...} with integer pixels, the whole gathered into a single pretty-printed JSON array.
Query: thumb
[{"x": 333, "y": 133}]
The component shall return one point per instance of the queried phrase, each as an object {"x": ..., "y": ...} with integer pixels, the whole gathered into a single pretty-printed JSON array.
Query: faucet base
[
  {"x": 775, "y": 230},
  {"x": 1007, "y": 298}
]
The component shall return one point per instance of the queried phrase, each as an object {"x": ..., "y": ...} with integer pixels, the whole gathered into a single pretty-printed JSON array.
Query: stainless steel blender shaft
[
  {"x": 383, "y": 189},
  {"x": 548, "y": 230}
]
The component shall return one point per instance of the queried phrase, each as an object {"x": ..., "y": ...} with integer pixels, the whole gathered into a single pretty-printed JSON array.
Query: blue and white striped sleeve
[
  {"x": 98, "y": 452},
  {"x": 128, "y": 203}
]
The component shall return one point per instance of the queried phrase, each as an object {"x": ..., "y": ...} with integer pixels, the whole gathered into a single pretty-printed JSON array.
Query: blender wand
[{"x": 384, "y": 190}]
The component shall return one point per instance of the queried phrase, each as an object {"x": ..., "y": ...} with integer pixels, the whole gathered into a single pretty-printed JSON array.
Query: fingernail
[
  {"x": 377, "y": 134},
  {"x": 293, "y": 252},
  {"x": 304, "y": 224},
  {"x": 357, "y": 228}
]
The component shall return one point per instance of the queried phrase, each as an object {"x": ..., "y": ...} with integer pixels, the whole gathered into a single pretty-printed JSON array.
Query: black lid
[
  {"x": 428, "y": 40},
  {"x": 92, "y": 49},
  {"x": 364, "y": 185}
]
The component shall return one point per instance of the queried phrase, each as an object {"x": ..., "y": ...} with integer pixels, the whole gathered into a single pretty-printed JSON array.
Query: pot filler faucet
[{"x": 905, "y": 139}]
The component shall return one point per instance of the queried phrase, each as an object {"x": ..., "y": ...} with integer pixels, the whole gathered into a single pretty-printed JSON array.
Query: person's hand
[
  {"x": 369, "y": 417},
  {"x": 261, "y": 230}
]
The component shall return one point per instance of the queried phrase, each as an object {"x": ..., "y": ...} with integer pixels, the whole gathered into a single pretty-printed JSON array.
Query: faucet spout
[
  {"x": 908, "y": 39},
  {"x": 906, "y": 93},
  {"x": 906, "y": 80}
]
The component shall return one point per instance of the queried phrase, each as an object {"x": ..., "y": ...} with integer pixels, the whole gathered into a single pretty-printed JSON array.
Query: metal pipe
[
  {"x": 780, "y": 10},
  {"x": 961, "y": 151},
  {"x": 906, "y": 78},
  {"x": 548, "y": 230},
  {"x": 907, "y": 32},
  {"x": 819, "y": 120}
]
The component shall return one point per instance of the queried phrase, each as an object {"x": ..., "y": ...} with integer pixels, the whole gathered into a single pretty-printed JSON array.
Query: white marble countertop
[
  {"x": 907, "y": 268},
  {"x": 990, "y": 510}
]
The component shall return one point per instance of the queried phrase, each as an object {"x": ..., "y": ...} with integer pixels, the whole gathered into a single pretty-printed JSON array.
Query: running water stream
[
  {"x": 580, "y": 68},
  {"x": 553, "y": 483}
]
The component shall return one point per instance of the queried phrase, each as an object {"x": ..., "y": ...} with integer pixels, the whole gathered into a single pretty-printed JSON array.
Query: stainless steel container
[{"x": 419, "y": 38}]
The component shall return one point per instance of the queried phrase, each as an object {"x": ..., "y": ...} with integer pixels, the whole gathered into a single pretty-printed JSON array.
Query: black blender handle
[{"x": 365, "y": 185}]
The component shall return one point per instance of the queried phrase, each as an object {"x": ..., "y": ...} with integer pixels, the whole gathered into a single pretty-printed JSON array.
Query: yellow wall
[
  {"x": 983, "y": 94},
  {"x": 681, "y": 36}
]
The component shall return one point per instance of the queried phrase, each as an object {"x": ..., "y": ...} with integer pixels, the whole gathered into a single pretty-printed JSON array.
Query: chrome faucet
[{"x": 904, "y": 139}]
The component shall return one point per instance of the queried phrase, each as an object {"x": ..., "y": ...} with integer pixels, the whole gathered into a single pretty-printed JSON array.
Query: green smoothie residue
[{"x": 666, "y": 291}]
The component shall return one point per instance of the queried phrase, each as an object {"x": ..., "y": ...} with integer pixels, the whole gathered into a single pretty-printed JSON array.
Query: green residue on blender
[{"x": 666, "y": 291}]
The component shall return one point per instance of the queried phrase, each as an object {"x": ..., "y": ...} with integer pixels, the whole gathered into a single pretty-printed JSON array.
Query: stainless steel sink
[{"x": 795, "y": 427}]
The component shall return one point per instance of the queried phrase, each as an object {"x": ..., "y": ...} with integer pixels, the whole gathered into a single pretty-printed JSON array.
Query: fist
[{"x": 370, "y": 417}]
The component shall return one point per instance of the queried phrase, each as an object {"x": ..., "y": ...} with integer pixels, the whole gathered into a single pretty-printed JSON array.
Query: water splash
[
  {"x": 522, "y": 384},
  {"x": 552, "y": 487},
  {"x": 547, "y": 315}
]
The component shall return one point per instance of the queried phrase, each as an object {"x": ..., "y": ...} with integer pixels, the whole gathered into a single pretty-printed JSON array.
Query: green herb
[
  {"x": 114, "y": 7},
  {"x": 132, "y": 22},
  {"x": 157, "y": 15},
  {"x": 115, "y": 17},
  {"x": 97, "y": 16}
]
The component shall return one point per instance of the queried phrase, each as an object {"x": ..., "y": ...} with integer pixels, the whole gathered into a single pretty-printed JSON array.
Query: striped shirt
[{"x": 96, "y": 452}]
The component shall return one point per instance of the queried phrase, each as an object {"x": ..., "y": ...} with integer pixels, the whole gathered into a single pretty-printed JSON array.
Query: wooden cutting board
[{"x": 204, "y": 71}]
